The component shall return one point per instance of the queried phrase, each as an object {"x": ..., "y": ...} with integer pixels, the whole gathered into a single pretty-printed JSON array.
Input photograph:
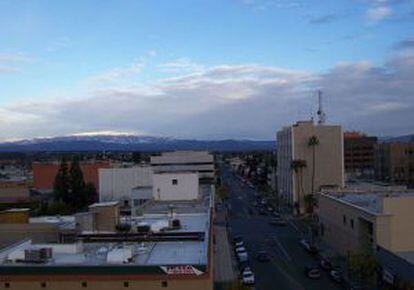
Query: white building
[
  {"x": 176, "y": 186},
  {"x": 118, "y": 183},
  {"x": 323, "y": 163},
  {"x": 199, "y": 161}
]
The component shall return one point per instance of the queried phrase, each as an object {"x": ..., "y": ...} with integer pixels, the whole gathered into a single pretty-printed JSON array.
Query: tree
[
  {"x": 310, "y": 202},
  {"x": 363, "y": 266},
  {"x": 298, "y": 165},
  {"x": 312, "y": 143},
  {"x": 136, "y": 157},
  {"x": 90, "y": 194},
  {"x": 61, "y": 183},
  {"x": 77, "y": 184}
]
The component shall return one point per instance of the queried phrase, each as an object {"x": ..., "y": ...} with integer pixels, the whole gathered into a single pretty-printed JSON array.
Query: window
[
  {"x": 84, "y": 284},
  {"x": 174, "y": 182},
  {"x": 126, "y": 202},
  {"x": 352, "y": 223},
  {"x": 7, "y": 285},
  {"x": 43, "y": 284},
  {"x": 126, "y": 284},
  {"x": 344, "y": 219},
  {"x": 164, "y": 284}
]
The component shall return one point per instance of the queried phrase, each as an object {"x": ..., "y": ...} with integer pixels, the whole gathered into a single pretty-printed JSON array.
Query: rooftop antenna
[{"x": 321, "y": 113}]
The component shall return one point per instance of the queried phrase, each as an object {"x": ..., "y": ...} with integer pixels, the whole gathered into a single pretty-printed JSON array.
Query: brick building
[
  {"x": 359, "y": 154},
  {"x": 44, "y": 173}
]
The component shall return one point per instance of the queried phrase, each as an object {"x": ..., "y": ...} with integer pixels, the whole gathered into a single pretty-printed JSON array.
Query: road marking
[
  {"x": 295, "y": 227},
  {"x": 283, "y": 250}
]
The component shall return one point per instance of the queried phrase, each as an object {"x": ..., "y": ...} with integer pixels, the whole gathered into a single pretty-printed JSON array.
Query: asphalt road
[{"x": 288, "y": 258}]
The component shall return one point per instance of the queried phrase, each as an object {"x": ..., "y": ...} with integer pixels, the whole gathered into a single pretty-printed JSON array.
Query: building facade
[
  {"x": 394, "y": 163},
  {"x": 175, "y": 186},
  {"x": 359, "y": 155},
  {"x": 44, "y": 173},
  {"x": 322, "y": 164},
  {"x": 195, "y": 161}
]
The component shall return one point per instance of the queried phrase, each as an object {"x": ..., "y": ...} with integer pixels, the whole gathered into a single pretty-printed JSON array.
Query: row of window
[{"x": 84, "y": 284}]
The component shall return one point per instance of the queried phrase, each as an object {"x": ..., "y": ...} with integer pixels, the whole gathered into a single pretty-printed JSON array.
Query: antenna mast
[{"x": 321, "y": 113}]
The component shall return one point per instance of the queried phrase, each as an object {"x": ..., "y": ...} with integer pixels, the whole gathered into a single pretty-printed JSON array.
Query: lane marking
[{"x": 283, "y": 250}]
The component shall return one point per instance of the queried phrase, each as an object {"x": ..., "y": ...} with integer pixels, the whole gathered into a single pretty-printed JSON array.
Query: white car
[
  {"x": 239, "y": 244},
  {"x": 240, "y": 249},
  {"x": 248, "y": 277}
]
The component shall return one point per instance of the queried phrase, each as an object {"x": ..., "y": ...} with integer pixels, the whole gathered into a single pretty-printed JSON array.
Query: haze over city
[{"x": 204, "y": 69}]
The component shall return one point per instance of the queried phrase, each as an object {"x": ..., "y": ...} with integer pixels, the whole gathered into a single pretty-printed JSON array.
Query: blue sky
[{"x": 210, "y": 62}]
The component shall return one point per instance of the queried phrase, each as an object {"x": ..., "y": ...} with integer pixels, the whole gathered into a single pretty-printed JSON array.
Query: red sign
[{"x": 181, "y": 270}]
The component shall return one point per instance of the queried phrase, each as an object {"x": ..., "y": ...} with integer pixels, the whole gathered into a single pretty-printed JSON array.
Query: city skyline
[{"x": 239, "y": 69}]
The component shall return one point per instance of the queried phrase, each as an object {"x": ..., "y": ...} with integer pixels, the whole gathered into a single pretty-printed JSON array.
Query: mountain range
[{"x": 131, "y": 143}]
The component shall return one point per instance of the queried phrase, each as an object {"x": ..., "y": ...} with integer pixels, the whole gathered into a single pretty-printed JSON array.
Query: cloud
[
  {"x": 116, "y": 74},
  {"x": 378, "y": 13},
  {"x": 405, "y": 44},
  {"x": 324, "y": 19},
  {"x": 230, "y": 101},
  {"x": 9, "y": 63},
  {"x": 180, "y": 65}
]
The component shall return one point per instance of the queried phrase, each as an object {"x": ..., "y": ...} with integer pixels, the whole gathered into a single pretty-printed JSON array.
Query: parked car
[
  {"x": 276, "y": 214},
  {"x": 270, "y": 209},
  {"x": 278, "y": 222},
  {"x": 248, "y": 277},
  {"x": 262, "y": 212},
  {"x": 312, "y": 272},
  {"x": 263, "y": 256},
  {"x": 336, "y": 275},
  {"x": 239, "y": 244},
  {"x": 309, "y": 247},
  {"x": 242, "y": 257},
  {"x": 237, "y": 239},
  {"x": 240, "y": 249},
  {"x": 325, "y": 264}
]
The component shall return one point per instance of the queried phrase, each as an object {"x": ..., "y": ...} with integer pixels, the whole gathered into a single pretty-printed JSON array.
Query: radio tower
[{"x": 321, "y": 113}]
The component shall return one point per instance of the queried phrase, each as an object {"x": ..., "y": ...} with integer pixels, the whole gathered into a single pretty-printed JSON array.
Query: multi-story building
[
  {"x": 44, "y": 173},
  {"x": 320, "y": 164},
  {"x": 394, "y": 163},
  {"x": 197, "y": 161},
  {"x": 359, "y": 151},
  {"x": 355, "y": 222},
  {"x": 169, "y": 246}
]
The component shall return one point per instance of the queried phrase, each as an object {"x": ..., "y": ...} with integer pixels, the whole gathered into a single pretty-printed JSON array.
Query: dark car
[
  {"x": 336, "y": 275},
  {"x": 263, "y": 256},
  {"x": 262, "y": 212},
  {"x": 325, "y": 264},
  {"x": 276, "y": 214},
  {"x": 237, "y": 239},
  {"x": 278, "y": 222},
  {"x": 312, "y": 272}
]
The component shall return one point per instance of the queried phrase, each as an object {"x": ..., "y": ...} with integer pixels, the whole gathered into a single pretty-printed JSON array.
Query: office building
[
  {"x": 394, "y": 163},
  {"x": 359, "y": 158},
  {"x": 319, "y": 165}
]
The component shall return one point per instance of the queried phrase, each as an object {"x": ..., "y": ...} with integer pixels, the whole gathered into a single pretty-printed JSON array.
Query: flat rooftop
[{"x": 370, "y": 201}]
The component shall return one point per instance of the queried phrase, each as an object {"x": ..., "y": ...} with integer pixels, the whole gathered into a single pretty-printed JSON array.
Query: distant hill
[
  {"x": 403, "y": 138},
  {"x": 131, "y": 143}
]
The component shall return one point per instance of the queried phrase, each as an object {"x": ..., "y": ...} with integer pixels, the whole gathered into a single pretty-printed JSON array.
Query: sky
[{"x": 211, "y": 69}]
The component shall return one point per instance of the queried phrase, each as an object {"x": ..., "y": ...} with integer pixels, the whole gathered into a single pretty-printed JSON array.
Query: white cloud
[
  {"x": 10, "y": 63},
  {"x": 229, "y": 101},
  {"x": 378, "y": 13},
  {"x": 180, "y": 66}
]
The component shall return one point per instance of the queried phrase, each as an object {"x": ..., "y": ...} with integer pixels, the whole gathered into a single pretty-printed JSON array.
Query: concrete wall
[
  {"x": 117, "y": 183},
  {"x": 145, "y": 283},
  {"x": 402, "y": 229},
  {"x": 186, "y": 187}
]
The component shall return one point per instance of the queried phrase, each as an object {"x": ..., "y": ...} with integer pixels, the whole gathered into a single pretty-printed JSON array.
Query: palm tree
[
  {"x": 298, "y": 165},
  {"x": 313, "y": 142}
]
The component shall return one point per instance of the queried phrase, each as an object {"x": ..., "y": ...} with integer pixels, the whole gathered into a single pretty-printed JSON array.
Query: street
[{"x": 288, "y": 259}]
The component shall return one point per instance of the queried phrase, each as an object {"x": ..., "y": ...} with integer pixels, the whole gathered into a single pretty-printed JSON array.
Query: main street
[{"x": 288, "y": 258}]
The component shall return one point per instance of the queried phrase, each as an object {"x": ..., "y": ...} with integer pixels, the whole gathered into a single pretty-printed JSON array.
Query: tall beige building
[{"x": 322, "y": 164}]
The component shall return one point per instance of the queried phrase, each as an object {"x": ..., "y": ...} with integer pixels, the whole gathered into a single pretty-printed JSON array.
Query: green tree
[
  {"x": 61, "y": 183},
  {"x": 297, "y": 165},
  {"x": 90, "y": 194},
  {"x": 136, "y": 157},
  {"x": 312, "y": 143},
  {"x": 363, "y": 266},
  {"x": 77, "y": 185}
]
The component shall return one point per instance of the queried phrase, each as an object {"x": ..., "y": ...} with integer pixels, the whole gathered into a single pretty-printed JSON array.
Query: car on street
[
  {"x": 237, "y": 239},
  {"x": 276, "y": 214},
  {"x": 242, "y": 257},
  {"x": 336, "y": 275},
  {"x": 240, "y": 249},
  {"x": 312, "y": 272},
  {"x": 239, "y": 244},
  {"x": 309, "y": 247},
  {"x": 325, "y": 264},
  {"x": 248, "y": 277},
  {"x": 263, "y": 256},
  {"x": 270, "y": 209},
  {"x": 262, "y": 211},
  {"x": 278, "y": 222}
]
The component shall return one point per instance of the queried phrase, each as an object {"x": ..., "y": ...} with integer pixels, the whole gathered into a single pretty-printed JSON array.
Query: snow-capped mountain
[{"x": 129, "y": 142}]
